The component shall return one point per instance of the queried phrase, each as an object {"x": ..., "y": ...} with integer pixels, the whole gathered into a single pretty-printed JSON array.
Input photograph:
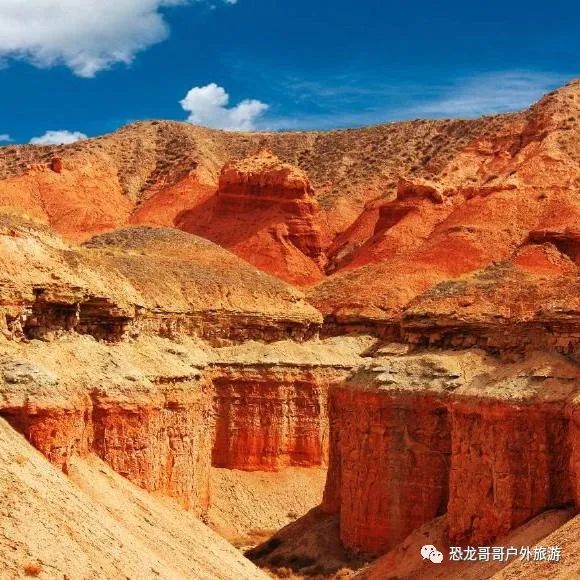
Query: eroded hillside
[{"x": 324, "y": 345}]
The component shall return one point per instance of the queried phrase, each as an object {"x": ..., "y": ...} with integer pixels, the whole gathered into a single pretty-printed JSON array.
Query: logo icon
[{"x": 430, "y": 552}]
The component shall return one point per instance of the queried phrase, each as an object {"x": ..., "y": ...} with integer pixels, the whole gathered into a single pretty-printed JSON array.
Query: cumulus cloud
[
  {"x": 87, "y": 36},
  {"x": 5, "y": 138},
  {"x": 60, "y": 137},
  {"x": 208, "y": 106}
]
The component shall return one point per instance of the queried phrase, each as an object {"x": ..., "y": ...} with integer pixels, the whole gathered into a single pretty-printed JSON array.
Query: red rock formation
[
  {"x": 541, "y": 311},
  {"x": 398, "y": 225},
  {"x": 56, "y": 165},
  {"x": 153, "y": 422},
  {"x": 268, "y": 418},
  {"x": 509, "y": 463},
  {"x": 265, "y": 212},
  {"x": 573, "y": 414},
  {"x": 58, "y": 433},
  {"x": 488, "y": 443},
  {"x": 163, "y": 352},
  {"x": 111, "y": 289},
  {"x": 161, "y": 443},
  {"x": 514, "y": 187},
  {"x": 389, "y": 466},
  {"x": 166, "y": 201},
  {"x": 77, "y": 200},
  {"x": 145, "y": 411}
]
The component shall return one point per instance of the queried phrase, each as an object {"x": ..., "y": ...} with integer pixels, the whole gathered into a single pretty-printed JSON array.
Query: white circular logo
[{"x": 430, "y": 552}]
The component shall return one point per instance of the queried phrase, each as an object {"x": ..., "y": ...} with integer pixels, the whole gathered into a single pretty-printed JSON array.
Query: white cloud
[
  {"x": 87, "y": 36},
  {"x": 61, "y": 137},
  {"x": 5, "y": 138},
  {"x": 489, "y": 93},
  {"x": 208, "y": 106}
]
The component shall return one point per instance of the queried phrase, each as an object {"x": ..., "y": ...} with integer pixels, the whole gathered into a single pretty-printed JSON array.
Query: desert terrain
[{"x": 298, "y": 355}]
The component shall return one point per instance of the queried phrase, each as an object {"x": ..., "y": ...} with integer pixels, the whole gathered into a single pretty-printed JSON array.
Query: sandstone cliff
[
  {"x": 264, "y": 211},
  {"x": 431, "y": 366},
  {"x": 488, "y": 443}
]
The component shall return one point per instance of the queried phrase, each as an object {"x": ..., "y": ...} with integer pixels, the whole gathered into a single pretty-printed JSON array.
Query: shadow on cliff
[{"x": 213, "y": 220}]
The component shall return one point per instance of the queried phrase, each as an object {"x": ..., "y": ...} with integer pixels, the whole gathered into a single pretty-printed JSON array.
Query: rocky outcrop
[
  {"x": 540, "y": 309},
  {"x": 265, "y": 212},
  {"x": 392, "y": 225},
  {"x": 111, "y": 289},
  {"x": 567, "y": 240},
  {"x": 509, "y": 463},
  {"x": 389, "y": 466},
  {"x": 416, "y": 436},
  {"x": 268, "y": 418},
  {"x": 79, "y": 199},
  {"x": 161, "y": 412},
  {"x": 144, "y": 410},
  {"x": 161, "y": 443},
  {"x": 270, "y": 401}
]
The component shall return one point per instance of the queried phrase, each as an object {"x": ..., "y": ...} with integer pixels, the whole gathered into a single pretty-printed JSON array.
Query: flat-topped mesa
[
  {"x": 506, "y": 308},
  {"x": 265, "y": 212},
  {"x": 111, "y": 289},
  {"x": 415, "y": 436}
]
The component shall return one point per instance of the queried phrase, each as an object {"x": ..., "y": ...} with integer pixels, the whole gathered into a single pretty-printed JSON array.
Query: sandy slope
[
  {"x": 248, "y": 506},
  {"x": 105, "y": 528},
  {"x": 405, "y": 560},
  {"x": 568, "y": 539}
]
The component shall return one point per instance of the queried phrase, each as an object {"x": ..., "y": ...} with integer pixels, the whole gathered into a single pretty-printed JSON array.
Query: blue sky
[{"x": 71, "y": 68}]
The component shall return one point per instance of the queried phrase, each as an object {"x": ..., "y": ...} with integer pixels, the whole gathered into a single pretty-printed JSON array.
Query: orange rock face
[
  {"x": 78, "y": 201},
  {"x": 509, "y": 463},
  {"x": 162, "y": 446},
  {"x": 268, "y": 419},
  {"x": 388, "y": 472},
  {"x": 265, "y": 212},
  {"x": 417, "y": 436}
]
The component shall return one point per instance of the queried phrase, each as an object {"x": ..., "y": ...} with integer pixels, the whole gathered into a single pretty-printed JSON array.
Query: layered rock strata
[
  {"x": 268, "y": 418},
  {"x": 490, "y": 444},
  {"x": 164, "y": 354},
  {"x": 265, "y": 212},
  {"x": 514, "y": 188},
  {"x": 151, "y": 280},
  {"x": 162, "y": 412}
]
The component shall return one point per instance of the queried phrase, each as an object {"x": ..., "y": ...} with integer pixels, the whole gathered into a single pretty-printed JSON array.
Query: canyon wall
[
  {"x": 489, "y": 443},
  {"x": 268, "y": 418},
  {"x": 388, "y": 470},
  {"x": 162, "y": 411},
  {"x": 453, "y": 244},
  {"x": 114, "y": 349}
]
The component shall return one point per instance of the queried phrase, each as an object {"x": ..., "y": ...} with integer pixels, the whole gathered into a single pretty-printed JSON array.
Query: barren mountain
[{"x": 327, "y": 346}]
